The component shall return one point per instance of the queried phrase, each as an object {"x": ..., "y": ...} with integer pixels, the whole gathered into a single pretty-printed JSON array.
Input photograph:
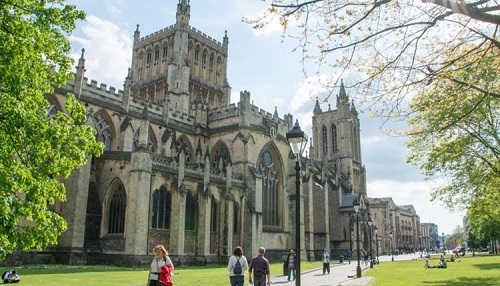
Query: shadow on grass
[
  {"x": 488, "y": 266},
  {"x": 464, "y": 281}
]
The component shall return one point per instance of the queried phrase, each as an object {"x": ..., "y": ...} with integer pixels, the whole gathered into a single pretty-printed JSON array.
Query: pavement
[{"x": 341, "y": 274}]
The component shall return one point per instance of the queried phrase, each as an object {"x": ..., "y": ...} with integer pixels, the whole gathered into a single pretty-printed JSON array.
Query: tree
[
  {"x": 391, "y": 49},
  {"x": 455, "y": 136},
  {"x": 38, "y": 150}
]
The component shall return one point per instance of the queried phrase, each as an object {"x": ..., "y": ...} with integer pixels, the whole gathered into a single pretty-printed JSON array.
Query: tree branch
[{"x": 467, "y": 10}]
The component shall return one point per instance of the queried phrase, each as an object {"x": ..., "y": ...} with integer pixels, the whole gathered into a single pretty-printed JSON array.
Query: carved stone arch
[
  {"x": 220, "y": 156},
  {"x": 270, "y": 167},
  {"x": 157, "y": 52},
  {"x": 54, "y": 105},
  {"x": 152, "y": 140},
  {"x": 114, "y": 207},
  {"x": 106, "y": 132},
  {"x": 184, "y": 144},
  {"x": 244, "y": 138}
]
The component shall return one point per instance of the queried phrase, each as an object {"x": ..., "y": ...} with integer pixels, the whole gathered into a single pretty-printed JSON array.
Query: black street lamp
[
  {"x": 370, "y": 223},
  {"x": 298, "y": 141},
  {"x": 392, "y": 252},
  {"x": 355, "y": 205}
]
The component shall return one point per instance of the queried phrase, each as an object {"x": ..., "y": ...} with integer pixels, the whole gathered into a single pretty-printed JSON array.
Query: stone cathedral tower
[{"x": 337, "y": 170}]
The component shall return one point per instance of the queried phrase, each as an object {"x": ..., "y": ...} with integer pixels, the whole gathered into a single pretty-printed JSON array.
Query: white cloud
[
  {"x": 306, "y": 91},
  {"x": 108, "y": 51}
]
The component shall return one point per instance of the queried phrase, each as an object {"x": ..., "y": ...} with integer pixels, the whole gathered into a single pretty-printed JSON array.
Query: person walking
[
  {"x": 237, "y": 266},
  {"x": 326, "y": 262},
  {"x": 161, "y": 263},
  {"x": 349, "y": 255},
  {"x": 260, "y": 268},
  {"x": 290, "y": 262}
]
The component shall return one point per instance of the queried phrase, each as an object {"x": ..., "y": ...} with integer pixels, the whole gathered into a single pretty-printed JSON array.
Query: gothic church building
[{"x": 186, "y": 168}]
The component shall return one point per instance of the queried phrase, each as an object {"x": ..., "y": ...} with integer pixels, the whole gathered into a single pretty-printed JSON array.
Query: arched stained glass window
[
  {"x": 116, "y": 214},
  {"x": 269, "y": 190},
  {"x": 103, "y": 131},
  {"x": 161, "y": 209}
]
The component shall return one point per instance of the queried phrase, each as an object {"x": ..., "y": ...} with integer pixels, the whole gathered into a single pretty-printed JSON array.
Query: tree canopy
[
  {"x": 38, "y": 149},
  {"x": 455, "y": 137},
  {"x": 388, "y": 50}
]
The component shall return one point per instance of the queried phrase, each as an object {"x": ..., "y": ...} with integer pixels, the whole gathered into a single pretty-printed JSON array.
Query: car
[{"x": 459, "y": 250}]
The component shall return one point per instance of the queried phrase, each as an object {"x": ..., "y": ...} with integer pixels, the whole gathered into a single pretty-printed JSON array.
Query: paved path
[{"x": 340, "y": 274}]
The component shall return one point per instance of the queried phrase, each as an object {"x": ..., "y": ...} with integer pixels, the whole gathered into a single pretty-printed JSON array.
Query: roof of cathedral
[{"x": 348, "y": 200}]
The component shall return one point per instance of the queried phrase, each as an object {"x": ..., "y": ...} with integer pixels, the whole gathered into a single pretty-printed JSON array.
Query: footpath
[{"x": 341, "y": 274}]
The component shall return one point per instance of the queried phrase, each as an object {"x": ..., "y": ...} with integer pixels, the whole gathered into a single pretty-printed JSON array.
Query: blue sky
[{"x": 261, "y": 62}]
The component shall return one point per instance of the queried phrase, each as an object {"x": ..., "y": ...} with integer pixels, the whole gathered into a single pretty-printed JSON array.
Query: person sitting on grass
[
  {"x": 442, "y": 264},
  {"x": 427, "y": 265}
]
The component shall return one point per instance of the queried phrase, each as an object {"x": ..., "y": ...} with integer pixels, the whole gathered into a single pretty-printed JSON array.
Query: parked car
[{"x": 459, "y": 250}]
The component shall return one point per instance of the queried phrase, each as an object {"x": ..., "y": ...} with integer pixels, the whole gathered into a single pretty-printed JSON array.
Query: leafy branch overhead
[{"x": 386, "y": 50}]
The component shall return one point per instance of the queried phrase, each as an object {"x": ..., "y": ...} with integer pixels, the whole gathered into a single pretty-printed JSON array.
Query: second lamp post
[{"x": 298, "y": 142}]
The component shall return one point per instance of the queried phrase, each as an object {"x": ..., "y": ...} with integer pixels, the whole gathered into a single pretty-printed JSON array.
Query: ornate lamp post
[
  {"x": 298, "y": 141},
  {"x": 370, "y": 223},
  {"x": 356, "y": 209},
  {"x": 392, "y": 252}
]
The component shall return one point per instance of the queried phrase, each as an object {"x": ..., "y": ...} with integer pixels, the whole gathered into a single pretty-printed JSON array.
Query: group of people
[
  {"x": 442, "y": 263},
  {"x": 10, "y": 277},
  {"x": 258, "y": 270}
]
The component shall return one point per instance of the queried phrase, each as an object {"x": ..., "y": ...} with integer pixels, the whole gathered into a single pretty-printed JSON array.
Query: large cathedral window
[
  {"x": 335, "y": 146},
  {"x": 324, "y": 137},
  {"x": 103, "y": 131},
  {"x": 116, "y": 214},
  {"x": 161, "y": 209},
  {"x": 191, "y": 212},
  {"x": 270, "y": 182}
]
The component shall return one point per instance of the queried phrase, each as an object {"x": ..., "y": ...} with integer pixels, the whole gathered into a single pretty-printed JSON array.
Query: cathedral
[{"x": 186, "y": 168}]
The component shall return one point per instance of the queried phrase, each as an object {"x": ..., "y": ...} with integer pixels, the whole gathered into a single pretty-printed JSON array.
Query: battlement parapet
[
  {"x": 223, "y": 112},
  {"x": 102, "y": 89},
  {"x": 207, "y": 40},
  {"x": 156, "y": 36}
]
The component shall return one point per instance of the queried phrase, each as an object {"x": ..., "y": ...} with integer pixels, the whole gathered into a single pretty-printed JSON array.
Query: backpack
[{"x": 237, "y": 269}]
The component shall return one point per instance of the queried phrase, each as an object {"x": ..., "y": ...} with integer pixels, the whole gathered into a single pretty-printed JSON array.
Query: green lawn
[
  {"x": 465, "y": 271},
  {"x": 58, "y": 275}
]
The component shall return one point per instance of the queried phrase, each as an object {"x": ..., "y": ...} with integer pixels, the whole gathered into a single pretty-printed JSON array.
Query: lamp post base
[
  {"x": 392, "y": 258},
  {"x": 358, "y": 271},
  {"x": 371, "y": 263}
]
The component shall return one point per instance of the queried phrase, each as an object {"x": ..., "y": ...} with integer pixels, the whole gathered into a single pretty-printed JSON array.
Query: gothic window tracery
[
  {"x": 161, "y": 208},
  {"x": 270, "y": 184},
  {"x": 116, "y": 214},
  {"x": 221, "y": 157},
  {"x": 103, "y": 131},
  {"x": 334, "y": 139},
  {"x": 324, "y": 141}
]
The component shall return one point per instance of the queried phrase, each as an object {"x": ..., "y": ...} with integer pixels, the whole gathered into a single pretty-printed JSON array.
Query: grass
[
  {"x": 58, "y": 275},
  {"x": 465, "y": 271}
]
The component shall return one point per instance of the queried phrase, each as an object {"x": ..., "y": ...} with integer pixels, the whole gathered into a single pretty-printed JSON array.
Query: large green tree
[
  {"x": 454, "y": 136},
  {"x": 387, "y": 50},
  {"x": 37, "y": 150}
]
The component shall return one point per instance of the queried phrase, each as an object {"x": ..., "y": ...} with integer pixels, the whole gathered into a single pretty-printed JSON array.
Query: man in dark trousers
[
  {"x": 260, "y": 267},
  {"x": 326, "y": 262}
]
